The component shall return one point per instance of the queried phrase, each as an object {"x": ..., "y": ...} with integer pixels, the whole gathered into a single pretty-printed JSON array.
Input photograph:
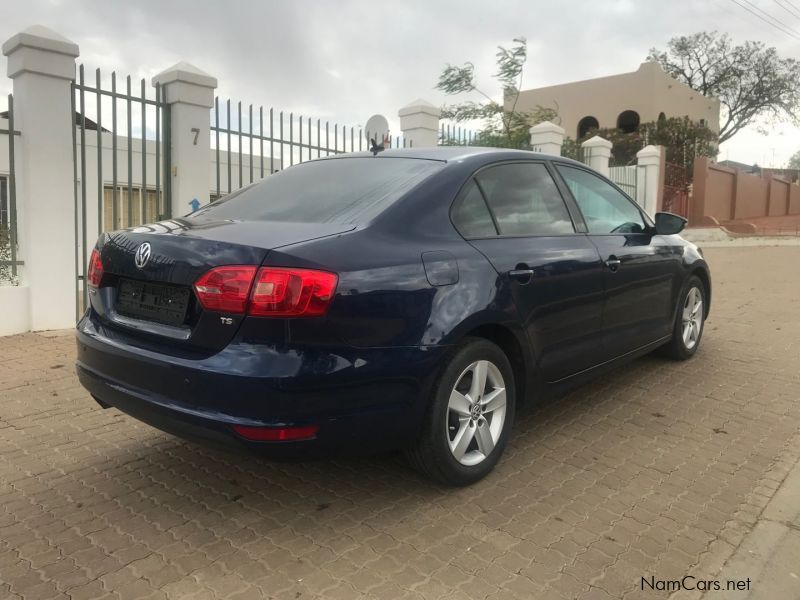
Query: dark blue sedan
[{"x": 414, "y": 299}]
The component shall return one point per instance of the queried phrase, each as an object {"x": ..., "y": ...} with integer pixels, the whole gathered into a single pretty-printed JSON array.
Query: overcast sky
[{"x": 345, "y": 60}]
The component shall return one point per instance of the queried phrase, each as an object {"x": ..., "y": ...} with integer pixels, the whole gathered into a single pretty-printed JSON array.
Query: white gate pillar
[
  {"x": 648, "y": 179},
  {"x": 190, "y": 94},
  {"x": 597, "y": 154},
  {"x": 419, "y": 122},
  {"x": 547, "y": 138},
  {"x": 42, "y": 65}
]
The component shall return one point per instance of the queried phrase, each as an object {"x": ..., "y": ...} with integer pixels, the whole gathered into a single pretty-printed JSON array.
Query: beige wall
[
  {"x": 727, "y": 194},
  {"x": 648, "y": 91},
  {"x": 720, "y": 191},
  {"x": 751, "y": 196},
  {"x": 794, "y": 200},
  {"x": 778, "y": 197}
]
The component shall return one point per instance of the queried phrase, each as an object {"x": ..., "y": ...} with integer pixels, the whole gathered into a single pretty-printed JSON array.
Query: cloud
[{"x": 348, "y": 59}]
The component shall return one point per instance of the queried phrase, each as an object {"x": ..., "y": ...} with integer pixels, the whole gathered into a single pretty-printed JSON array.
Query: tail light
[
  {"x": 276, "y": 291},
  {"x": 276, "y": 434},
  {"x": 225, "y": 289},
  {"x": 282, "y": 292},
  {"x": 96, "y": 270}
]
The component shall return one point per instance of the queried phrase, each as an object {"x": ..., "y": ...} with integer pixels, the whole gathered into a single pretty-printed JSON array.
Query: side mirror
[{"x": 669, "y": 224}]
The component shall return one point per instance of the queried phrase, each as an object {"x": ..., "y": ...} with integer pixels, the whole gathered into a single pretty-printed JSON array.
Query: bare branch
[{"x": 750, "y": 80}]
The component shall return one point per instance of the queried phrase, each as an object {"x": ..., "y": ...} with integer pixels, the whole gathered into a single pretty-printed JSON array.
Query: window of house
[
  {"x": 585, "y": 125},
  {"x": 525, "y": 200},
  {"x": 628, "y": 121}
]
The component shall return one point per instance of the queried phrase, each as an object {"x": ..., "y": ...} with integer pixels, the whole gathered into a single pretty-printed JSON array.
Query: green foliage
[
  {"x": 794, "y": 162},
  {"x": 753, "y": 84},
  {"x": 682, "y": 138},
  {"x": 501, "y": 127},
  {"x": 5, "y": 255},
  {"x": 571, "y": 148}
]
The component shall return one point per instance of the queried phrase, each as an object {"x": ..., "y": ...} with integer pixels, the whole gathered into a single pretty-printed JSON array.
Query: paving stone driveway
[{"x": 657, "y": 469}]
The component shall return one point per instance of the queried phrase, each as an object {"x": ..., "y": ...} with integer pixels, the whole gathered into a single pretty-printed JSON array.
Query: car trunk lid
[{"x": 149, "y": 272}]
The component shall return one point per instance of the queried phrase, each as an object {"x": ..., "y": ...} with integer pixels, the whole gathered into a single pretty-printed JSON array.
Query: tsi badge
[{"x": 142, "y": 255}]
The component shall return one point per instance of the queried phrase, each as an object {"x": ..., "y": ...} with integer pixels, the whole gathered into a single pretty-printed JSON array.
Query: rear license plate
[{"x": 152, "y": 301}]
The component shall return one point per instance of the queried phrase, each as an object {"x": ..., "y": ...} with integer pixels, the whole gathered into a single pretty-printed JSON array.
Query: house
[{"x": 622, "y": 101}]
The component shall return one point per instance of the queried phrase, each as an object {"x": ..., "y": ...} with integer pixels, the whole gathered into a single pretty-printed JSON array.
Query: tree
[
  {"x": 505, "y": 128},
  {"x": 794, "y": 162},
  {"x": 751, "y": 81}
]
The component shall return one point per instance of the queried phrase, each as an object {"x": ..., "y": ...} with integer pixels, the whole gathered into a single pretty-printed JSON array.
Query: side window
[
  {"x": 470, "y": 214},
  {"x": 525, "y": 200},
  {"x": 605, "y": 209}
]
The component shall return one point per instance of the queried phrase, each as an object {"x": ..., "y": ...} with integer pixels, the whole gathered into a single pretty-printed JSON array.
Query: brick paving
[{"x": 658, "y": 469}]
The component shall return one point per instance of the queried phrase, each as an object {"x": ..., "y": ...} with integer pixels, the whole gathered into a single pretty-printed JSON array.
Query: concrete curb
[
  {"x": 770, "y": 554},
  {"x": 761, "y": 542},
  {"x": 710, "y": 237}
]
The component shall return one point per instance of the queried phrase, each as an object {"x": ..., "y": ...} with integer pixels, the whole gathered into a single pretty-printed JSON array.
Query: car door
[
  {"x": 642, "y": 271},
  {"x": 514, "y": 214}
]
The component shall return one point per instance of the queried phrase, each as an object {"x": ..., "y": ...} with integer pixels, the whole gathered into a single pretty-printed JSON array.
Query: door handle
[
  {"x": 613, "y": 263},
  {"x": 521, "y": 275}
]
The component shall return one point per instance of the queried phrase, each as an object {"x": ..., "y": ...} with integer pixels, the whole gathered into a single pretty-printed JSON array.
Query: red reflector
[
  {"x": 225, "y": 289},
  {"x": 96, "y": 270},
  {"x": 276, "y": 434},
  {"x": 285, "y": 292}
]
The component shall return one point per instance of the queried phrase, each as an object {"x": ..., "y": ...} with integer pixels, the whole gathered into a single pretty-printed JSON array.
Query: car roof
[{"x": 457, "y": 154}]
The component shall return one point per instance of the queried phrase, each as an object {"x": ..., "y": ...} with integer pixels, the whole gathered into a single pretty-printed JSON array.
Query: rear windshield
[{"x": 342, "y": 190}]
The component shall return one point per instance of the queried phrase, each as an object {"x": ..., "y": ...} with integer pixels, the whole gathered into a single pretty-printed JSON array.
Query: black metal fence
[
  {"x": 8, "y": 207},
  {"x": 251, "y": 142},
  {"x": 112, "y": 124},
  {"x": 451, "y": 134}
]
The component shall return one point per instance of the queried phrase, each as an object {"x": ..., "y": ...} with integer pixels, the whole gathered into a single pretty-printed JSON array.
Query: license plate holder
[{"x": 151, "y": 301}]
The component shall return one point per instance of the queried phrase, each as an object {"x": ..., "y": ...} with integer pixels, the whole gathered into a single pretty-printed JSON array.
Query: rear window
[{"x": 342, "y": 190}]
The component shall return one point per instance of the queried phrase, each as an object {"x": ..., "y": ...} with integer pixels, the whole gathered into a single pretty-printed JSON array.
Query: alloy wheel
[
  {"x": 476, "y": 412},
  {"x": 692, "y": 318}
]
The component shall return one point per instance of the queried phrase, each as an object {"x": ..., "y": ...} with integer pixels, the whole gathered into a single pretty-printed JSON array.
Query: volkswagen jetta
[{"x": 413, "y": 299}]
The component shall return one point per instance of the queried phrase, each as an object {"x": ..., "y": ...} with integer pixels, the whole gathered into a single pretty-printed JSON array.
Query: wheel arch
[
  {"x": 701, "y": 272},
  {"x": 514, "y": 348}
]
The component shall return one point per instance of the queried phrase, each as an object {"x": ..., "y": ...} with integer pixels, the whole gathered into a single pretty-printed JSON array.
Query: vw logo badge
[{"x": 142, "y": 255}]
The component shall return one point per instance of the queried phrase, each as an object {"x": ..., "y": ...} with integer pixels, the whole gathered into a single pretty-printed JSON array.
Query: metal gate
[
  {"x": 112, "y": 189},
  {"x": 626, "y": 176},
  {"x": 677, "y": 183}
]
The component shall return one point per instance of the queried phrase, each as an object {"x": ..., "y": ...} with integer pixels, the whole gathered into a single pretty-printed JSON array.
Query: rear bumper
[{"x": 362, "y": 399}]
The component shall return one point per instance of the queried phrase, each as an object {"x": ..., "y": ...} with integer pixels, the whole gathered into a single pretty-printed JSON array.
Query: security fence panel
[
  {"x": 121, "y": 160},
  {"x": 251, "y": 142}
]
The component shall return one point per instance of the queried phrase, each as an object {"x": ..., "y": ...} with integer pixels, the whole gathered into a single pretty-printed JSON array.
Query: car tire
[
  {"x": 452, "y": 447},
  {"x": 689, "y": 321}
]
